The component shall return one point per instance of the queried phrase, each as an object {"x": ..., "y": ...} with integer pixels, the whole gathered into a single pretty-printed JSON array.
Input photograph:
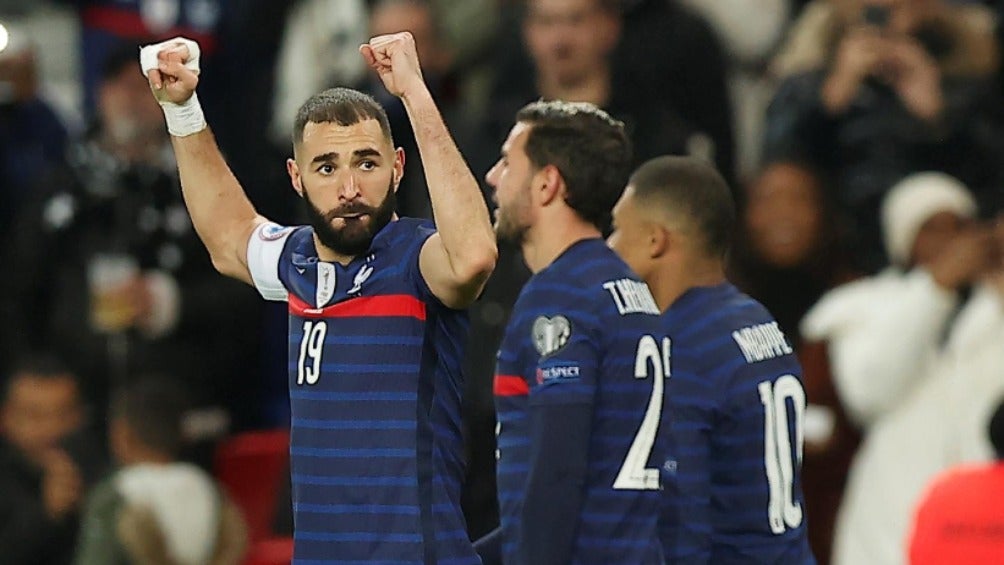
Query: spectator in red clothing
[{"x": 961, "y": 519}]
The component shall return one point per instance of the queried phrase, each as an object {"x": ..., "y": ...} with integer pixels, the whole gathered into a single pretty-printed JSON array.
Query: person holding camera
[
  {"x": 874, "y": 90},
  {"x": 916, "y": 358}
]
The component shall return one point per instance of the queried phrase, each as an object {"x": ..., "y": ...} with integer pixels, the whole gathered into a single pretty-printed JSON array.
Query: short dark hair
[
  {"x": 589, "y": 148},
  {"x": 39, "y": 365},
  {"x": 342, "y": 106},
  {"x": 152, "y": 407},
  {"x": 996, "y": 430},
  {"x": 690, "y": 188}
]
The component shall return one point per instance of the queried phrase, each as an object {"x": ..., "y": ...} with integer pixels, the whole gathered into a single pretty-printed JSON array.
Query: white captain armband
[{"x": 264, "y": 250}]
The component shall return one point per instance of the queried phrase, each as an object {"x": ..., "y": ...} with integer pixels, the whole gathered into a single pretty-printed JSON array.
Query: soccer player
[
  {"x": 735, "y": 395},
  {"x": 375, "y": 332},
  {"x": 581, "y": 371}
]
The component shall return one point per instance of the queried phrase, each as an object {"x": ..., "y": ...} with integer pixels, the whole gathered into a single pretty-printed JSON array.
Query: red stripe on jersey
[
  {"x": 129, "y": 24},
  {"x": 508, "y": 385},
  {"x": 390, "y": 305}
]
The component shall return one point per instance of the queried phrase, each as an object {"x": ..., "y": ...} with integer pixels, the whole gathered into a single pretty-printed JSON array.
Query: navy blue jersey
[
  {"x": 579, "y": 393},
  {"x": 735, "y": 425},
  {"x": 375, "y": 392}
]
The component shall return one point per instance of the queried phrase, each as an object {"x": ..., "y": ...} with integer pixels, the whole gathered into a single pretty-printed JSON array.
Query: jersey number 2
[
  {"x": 634, "y": 475},
  {"x": 308, "y": 367},
  {"x": 779, "y": 459}
]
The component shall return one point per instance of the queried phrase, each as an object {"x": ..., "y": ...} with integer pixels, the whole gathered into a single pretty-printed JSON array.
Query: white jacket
[{"x": 923, "y": 402}]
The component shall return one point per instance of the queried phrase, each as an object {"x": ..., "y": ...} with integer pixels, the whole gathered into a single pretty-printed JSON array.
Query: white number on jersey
[
  {"x": 308, "y": 368},
  {"x": 634, "y": 475},
  {"x": 779, "y": 460}
]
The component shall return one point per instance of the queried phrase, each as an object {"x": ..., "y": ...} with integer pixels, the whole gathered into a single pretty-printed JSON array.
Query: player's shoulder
[
  {"x": 403, "y": 236},
  {"x": 724, "y": 320},
  {"x": 590, "y": 277}
]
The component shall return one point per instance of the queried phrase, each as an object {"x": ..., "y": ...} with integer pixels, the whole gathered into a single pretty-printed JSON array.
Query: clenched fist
[
  {"x": 175, "y": 73},
  {"x": 395, "y": 59}
]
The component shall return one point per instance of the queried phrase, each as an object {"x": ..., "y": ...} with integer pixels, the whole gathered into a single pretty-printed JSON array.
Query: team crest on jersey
[
  {"x": 272, "y": 232},
  {"x": 362, "y": 276},
  {"x": 550, "y": 334}
]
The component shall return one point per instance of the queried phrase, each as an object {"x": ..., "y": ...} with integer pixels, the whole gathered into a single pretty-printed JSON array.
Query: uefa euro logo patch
[
  {"x": 550, "y": 334},
  {"x": 272, "y": 232}
]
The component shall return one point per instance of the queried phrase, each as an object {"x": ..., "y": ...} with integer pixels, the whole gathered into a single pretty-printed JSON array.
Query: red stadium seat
[
  {"x": 250, "y": 466},
  {"x": 271, "y": 551}
]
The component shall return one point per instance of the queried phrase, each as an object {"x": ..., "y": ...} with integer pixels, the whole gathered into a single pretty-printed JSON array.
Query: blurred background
[{"x": 862, "y": 138}]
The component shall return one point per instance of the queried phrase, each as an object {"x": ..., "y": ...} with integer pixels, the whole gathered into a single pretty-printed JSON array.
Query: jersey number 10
[
  {"x": 634, "y": 475},
  {"x": 779, "y": 459}
]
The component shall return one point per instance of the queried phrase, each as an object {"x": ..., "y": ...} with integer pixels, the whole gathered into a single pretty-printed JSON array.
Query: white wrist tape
[{"x": 185, "y": 118}]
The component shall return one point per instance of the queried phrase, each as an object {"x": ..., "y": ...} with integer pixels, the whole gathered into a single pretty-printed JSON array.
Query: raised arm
[
  {"x": 221, "y": 213},
  {"x": 457, "y": 261}
]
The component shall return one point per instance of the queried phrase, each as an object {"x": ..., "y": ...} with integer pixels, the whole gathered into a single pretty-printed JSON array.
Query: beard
[
  {"x": 510, "y": 223},
  {"x": 356, "y": 236}
]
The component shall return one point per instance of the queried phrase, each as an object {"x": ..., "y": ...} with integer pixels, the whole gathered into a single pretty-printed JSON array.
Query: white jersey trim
[{"x": 264, "y": 249}]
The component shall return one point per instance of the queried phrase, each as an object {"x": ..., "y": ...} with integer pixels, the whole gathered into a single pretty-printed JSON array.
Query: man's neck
[
  {"x": 670, "y": 282},
  {"x": 594, "y": 88},
  {"x": 541, "y": 248}
]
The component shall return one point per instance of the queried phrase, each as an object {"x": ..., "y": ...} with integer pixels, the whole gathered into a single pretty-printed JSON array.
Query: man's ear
[
  {"x": 549, "y": 184},
  {"x": 294, "y": 176},
  {"x": 398, "y": 173},
  {"x": 659, "y": 240}
]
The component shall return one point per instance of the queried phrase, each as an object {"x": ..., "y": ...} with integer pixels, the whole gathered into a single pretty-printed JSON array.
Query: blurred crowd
[{"x": 863, "y": 139}]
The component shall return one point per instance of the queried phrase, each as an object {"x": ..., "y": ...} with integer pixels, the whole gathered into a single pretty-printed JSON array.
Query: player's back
[
  {"x": 574, "y": 338},
  {"x": 375, "y": 395},
  {"x": 736, "y": 409}
]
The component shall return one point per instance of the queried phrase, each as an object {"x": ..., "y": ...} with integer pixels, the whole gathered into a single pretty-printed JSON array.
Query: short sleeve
[
  {"x": 414, "y": 269},
  {"x": 264, "y": 251}
]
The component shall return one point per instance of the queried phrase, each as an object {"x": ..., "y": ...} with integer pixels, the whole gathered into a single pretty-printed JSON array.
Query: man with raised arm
[{"x": 375, "y": 334}]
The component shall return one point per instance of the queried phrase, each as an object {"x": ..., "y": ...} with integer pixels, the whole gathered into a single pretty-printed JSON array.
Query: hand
[
  {"x": 395, "y": 59},
  {"x": 857, "y": 57},
  {"x": 968, "y": 256},
  {"x": 171, "y": 81},
  {"x": 915, "y": 77},
  {"x": 61, "y": 484}
]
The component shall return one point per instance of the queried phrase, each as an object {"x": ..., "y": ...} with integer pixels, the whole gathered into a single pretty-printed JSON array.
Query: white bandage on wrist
[{"x": 185, "y": 118}]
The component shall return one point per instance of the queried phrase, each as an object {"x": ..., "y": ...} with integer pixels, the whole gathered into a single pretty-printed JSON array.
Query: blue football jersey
[
  {"x": 584, "y": 333},
  {"x": 375, "y": 393},
  {"x": 736, "y": 405}
]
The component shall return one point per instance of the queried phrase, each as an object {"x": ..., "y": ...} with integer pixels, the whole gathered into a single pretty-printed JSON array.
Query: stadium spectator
[
  {"x": 32, "y": 138},
  {"x": 110, "y": 273},
  {"x": 46, "y": 463},
  {"x": 588, "y": 51},
  {"x": 875, "y": 90},
  {"x": 156, "y": 508},
  {"x": 960, "y": 518},
  {"x": 916, "y": 364}
]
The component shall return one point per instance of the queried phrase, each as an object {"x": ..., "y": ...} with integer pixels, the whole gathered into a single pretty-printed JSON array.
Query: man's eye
[
  {"x": 326, "y": 169},
  {"x": 367, "y": 165}
]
